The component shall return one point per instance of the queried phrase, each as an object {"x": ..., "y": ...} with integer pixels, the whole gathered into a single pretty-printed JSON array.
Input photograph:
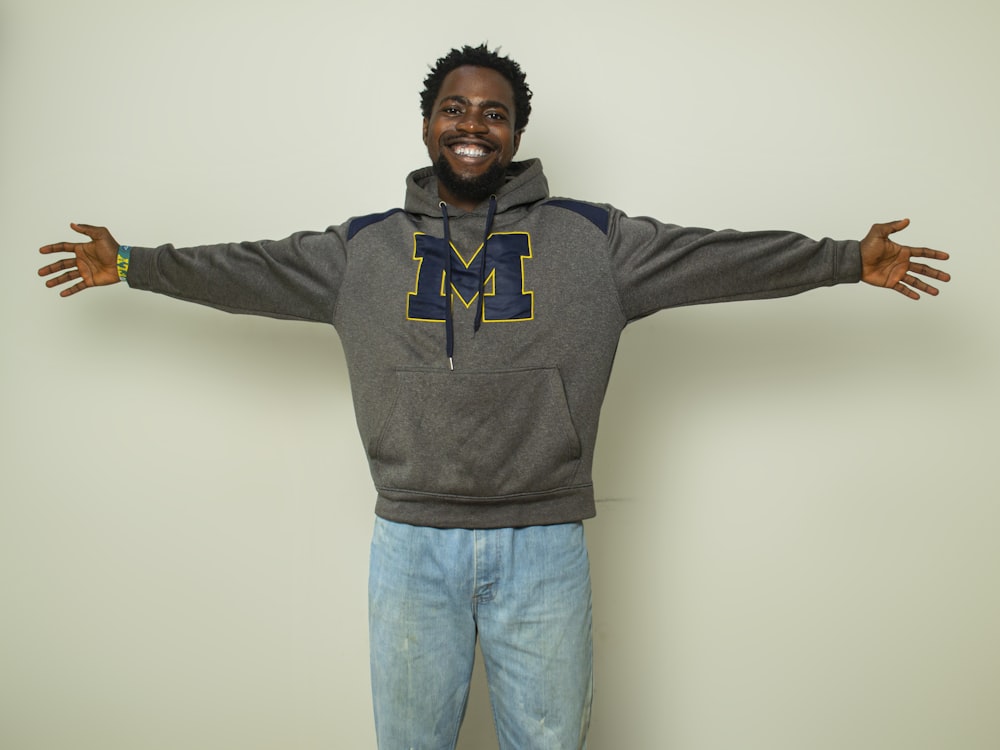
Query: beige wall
[{"x": 796, "y": 546}]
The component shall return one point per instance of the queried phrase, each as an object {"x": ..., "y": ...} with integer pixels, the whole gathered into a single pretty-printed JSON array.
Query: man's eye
[
  {"x": 495, "y": 115},
  {"x": 452, "y": 111}
]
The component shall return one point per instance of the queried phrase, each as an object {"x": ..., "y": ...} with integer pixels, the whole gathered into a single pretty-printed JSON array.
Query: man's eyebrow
[{"x": 486, "y": 103}]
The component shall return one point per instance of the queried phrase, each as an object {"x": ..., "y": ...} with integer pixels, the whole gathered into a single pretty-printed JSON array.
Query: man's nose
[{"x": 473, "y": 122}]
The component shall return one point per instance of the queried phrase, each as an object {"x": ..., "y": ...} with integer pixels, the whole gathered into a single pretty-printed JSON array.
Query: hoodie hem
[{"x": 565, "y": 505}]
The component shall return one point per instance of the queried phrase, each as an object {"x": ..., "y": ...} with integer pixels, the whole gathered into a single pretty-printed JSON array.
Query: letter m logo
[{"x": 505, "y": 300}]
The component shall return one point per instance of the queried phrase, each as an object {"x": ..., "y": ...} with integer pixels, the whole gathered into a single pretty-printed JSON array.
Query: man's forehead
[{"x": 476, "y": 84}]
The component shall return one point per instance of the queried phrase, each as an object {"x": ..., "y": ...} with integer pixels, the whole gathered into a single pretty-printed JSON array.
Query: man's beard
[{"x": 475, "y": 189}]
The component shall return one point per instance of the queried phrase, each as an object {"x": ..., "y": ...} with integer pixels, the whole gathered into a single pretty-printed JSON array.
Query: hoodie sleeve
[
  {"x": 658, "y": 265},
  {"x": 297, "y": 278}
]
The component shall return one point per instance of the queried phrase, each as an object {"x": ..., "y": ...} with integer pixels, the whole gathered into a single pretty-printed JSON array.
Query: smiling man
[
  {"x": 472, "y": 132},
  {"x": 479, "y": 323}
]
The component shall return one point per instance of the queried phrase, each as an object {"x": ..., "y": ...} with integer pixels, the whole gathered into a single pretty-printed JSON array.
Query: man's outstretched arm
[
  {"x": 298, "y": 277},
  {"x": 887, "y": 264},
  {"x": 94, "y": 263}
]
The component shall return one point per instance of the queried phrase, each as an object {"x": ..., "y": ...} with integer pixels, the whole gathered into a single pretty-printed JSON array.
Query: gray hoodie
[{"x": 483, "y": 412}]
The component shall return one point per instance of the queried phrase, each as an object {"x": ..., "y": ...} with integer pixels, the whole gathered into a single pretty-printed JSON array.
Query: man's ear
[
  {"x": 517, "y": 141},
  {"x": 427, "y": 126}
]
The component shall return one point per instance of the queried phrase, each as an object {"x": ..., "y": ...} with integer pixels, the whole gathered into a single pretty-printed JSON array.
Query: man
[{"x": 479, "y": 324}]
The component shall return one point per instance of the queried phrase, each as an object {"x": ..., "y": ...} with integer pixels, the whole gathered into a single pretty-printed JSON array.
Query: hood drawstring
[
  {"x": 482, "y": 260},
  {"x": 449, "y": 326}
]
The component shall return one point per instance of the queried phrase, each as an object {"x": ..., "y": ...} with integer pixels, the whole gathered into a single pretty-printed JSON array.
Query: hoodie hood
[{"x": 526, "y": 184}]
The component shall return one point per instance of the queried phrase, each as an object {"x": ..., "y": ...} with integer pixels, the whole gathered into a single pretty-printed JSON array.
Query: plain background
[{"x": 796, "y": 545}]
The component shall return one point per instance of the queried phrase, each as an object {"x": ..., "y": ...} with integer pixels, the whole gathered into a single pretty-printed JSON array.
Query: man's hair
[{"x": 480, "y": 57}]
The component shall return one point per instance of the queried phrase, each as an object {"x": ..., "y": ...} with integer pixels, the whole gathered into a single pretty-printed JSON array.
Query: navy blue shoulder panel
[
  {"x": 597, "y": 215},
  {"x": 361, "y": 222}
]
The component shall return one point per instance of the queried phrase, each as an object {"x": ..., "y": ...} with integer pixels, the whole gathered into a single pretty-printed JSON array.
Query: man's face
[{"x": 471, "y": 135}]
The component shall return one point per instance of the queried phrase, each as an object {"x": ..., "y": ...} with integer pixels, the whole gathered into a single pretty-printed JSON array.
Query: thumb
[
  {"x": 884, "y": 230},
  {"x": 95, "y": 233}
]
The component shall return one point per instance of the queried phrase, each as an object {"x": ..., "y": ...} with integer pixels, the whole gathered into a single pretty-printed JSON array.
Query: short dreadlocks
[{"x": 480, "y": 57}]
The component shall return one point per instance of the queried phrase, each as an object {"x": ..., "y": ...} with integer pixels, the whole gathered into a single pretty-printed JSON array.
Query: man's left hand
[{"x": 887, "y": 264}]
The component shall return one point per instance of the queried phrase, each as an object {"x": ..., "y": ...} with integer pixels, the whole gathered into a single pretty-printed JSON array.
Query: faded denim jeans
[{"x": 524, "y": 592}]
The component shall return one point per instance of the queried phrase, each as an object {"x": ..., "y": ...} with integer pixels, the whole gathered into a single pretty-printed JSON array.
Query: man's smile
[{"x": 470, "y": 151}]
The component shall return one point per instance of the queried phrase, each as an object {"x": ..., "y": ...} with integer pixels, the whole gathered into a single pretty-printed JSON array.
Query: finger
[
  {"x": 60, "y": 265},
  {"x": 926, "y": 252},
  {"x": 59, "y": 247},
  {"x": 58, "y": 280},
  {"x": 916, "y": 283},
  {"x": 91, "y": 231},
  {"x": 891, "y": 227},
  {"x": 933, "y": 273},
  {"x": 906, "y": 291},
  {"x": 73, "y": 289}
]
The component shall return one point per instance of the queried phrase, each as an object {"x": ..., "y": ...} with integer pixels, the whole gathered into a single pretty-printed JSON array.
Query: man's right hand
[{"x": 94, "y": 263}]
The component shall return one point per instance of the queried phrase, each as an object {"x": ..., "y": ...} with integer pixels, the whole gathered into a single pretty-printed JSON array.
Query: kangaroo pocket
[{"x": 477, "y": 434}]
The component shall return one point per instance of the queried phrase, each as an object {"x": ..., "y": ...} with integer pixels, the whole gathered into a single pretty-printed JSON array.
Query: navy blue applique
[
  {"x": 362, "y": 222},
  {"x": 596, "y": 215}
]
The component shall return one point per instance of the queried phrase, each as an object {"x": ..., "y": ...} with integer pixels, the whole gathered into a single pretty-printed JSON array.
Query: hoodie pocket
[{"x": 478, "y": 434}]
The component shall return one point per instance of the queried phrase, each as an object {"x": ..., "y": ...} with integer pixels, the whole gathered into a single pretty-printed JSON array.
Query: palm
[
  {"x": 891, "y": 267},
  {"x": 93, "y": 272}
]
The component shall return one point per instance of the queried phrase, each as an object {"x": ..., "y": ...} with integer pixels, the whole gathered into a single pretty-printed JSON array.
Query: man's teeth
[{"x": 470, "y": 151}]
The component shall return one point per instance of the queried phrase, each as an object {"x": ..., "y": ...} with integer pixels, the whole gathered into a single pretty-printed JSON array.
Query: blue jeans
[{"x": 524, "y": 592}]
